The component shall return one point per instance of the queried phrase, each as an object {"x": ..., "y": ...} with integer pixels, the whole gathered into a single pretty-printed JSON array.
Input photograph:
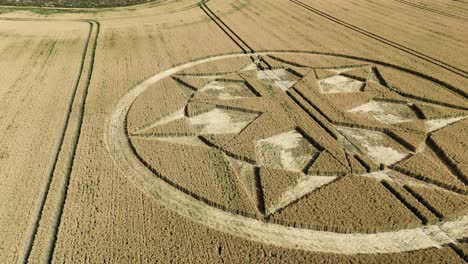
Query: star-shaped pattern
[{"x": 377, "y": 131}]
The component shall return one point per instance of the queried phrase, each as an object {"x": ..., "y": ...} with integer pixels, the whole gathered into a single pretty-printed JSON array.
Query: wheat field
[{"x": 233, "y": 131}]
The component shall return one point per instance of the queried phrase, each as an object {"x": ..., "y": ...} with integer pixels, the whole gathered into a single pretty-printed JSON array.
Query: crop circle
[{"x": 249, "y": 139}]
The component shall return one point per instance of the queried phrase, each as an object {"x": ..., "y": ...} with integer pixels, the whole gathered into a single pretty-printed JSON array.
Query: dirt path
[{"x": 278, "y": 235}]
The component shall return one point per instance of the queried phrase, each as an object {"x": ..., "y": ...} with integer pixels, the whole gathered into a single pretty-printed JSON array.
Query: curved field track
[
  {"x": 233, "y": 131},
  {"x": 389, "y": 242}
]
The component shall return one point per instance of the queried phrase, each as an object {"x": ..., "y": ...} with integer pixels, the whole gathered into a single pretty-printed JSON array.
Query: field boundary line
[{"x": 388, "y": 42}]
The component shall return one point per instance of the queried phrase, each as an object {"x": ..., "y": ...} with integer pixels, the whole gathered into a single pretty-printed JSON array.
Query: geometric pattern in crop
[
  {"x": 225, "y": 90},
  {"x": 387, "y": 112},
  {"x": 290, "y": 151},
  {"x": 340, "y": 84},
  {"x": 281, "y": 78},
  {"x": 377, "y": 145},
  {"x": 288, "y": 133}
]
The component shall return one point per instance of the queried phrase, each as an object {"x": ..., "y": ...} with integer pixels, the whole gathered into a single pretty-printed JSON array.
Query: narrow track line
[
  {"x": 446, "y": 160},
  {"x": 71, "y": 158},
  {"x": 226, "y": 29},
  {"x": 431, "y": 208},
  {"x": 410, "y": 207},
  {"x": 433, "y": 10},
  {"x": 388, "y": 42},
  {"x": 232, "y": 31},
  {"x": 292, "y": 95},
  {"x": 45, "y": 190},
  {"x": 459, "y": 251}
]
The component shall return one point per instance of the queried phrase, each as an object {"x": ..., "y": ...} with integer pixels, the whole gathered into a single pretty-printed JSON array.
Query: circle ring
[{"x": 122, "y": 151}]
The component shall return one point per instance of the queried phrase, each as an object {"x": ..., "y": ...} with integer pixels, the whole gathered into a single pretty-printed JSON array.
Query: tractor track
[
  {"x": 434, "y": 11},
  {"x": 76, "y": 103},
  {"x": 84, "y": 79},
  {"x": 383, "y": 40}
]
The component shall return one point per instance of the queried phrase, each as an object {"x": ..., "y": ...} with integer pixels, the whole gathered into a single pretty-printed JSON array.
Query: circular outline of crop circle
[{"x": 123, "y": 153}]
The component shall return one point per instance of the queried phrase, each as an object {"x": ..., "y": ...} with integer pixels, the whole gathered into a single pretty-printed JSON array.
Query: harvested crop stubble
[
  {"x": 39, "y": 68},
  {"x": 444, "y": 204},
  {"x": 213, "y": 178},
  {"x": 352, "y": 204}
]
